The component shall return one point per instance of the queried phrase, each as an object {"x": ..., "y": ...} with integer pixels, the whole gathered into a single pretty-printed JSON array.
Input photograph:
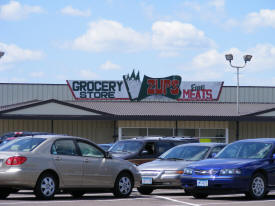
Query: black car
[{"x": 145, "y": 149}]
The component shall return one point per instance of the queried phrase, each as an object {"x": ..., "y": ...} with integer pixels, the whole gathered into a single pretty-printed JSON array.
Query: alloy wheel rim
[
  {"x": 258, "y": 186},
  {"x": 125, "y": 185},
  {"x": 48, "y": 186}
]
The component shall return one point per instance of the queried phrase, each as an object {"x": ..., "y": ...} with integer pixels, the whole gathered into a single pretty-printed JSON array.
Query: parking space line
[
  {"x": 173, "y": 200},
  {"x": 233, "y": 203},
  {"x": 33, "y": 202}
]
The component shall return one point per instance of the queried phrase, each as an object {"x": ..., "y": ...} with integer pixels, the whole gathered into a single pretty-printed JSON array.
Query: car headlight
[
  {"x": 188, "y": 171},
  {"x": 173, "y": 172},
  {"x": 230, "y": 172}
]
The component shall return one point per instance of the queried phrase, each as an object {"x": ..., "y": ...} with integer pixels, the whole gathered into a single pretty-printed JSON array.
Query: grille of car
[
  {"x": 206, "y": 172},
  {"x": 150, "y": 173}
]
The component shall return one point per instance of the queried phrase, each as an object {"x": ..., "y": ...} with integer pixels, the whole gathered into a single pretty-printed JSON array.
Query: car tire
[
  {"x": 199, "y": 195},
  {"x": 257, "y": 187},
  {"x": 123, "y": 185},
  {"x": 77, "y": 194},
  {"x": 145, "y": 191},
  {"x": 187, "y": 192},
  {"x": 46, "y": 187},
  {"x": 4, "y": 193}
]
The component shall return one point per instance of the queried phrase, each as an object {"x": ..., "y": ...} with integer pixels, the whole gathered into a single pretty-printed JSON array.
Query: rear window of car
[{"x": 22, "y": 145}]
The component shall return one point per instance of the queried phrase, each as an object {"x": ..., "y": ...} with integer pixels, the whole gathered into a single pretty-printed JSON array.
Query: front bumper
[
  {"x": 162, "y": 181},
  {"x": 216, "y": 184}
]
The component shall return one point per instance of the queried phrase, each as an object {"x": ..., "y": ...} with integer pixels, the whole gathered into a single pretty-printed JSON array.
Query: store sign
[
  {"x": 98, "y": 89},
  {"x": 131, "y": 88}
]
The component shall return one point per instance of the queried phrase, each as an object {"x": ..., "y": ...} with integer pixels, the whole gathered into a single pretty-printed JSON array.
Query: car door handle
[
  {"x": 57, "y": 158},
  {"x": 86, "y": 160}
]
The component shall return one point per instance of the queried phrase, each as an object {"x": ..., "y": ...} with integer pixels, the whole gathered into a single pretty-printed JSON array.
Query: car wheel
[
  {"x": 77, "y": 194},
  {"x": 145, "y": 191},
  {"x": 199, "y": 195},
  {"x": 257, "y": 187},
  {"x": 187, "y": 192},
  {"x": 45, "y": 187},
  {"x": 4, "y": 193},
  {"x": 123, "y": 185}
]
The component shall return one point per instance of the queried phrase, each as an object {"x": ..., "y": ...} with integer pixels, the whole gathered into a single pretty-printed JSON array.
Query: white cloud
[
  {"x": 14, "y": 53},
  {"x": 208, "y": 59},
  {"x": 106, "y": 35},
  {"x": 193, "y": 5},
  {"x": 15, "y": 11},
  {"x": 109, "y": 66},
  {"x": 217, "y": 4},
  {"x": 69, "y": 10},
  {"x": 211, "y": 65},
  {"x": 263, "y": 18},
  {"x": 37, "y": 74},
  {"x": 167, "y": 37},
  {"x": 148, "y": 10},
  {"x": 88, "y": 74},
  {"x": 176, "y": 36}
]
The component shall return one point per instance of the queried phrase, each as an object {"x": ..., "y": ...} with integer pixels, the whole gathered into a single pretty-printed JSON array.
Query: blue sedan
[{"x": 245, "y": 166}]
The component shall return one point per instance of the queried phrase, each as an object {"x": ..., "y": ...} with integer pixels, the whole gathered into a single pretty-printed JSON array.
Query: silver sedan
[
  {"x": 165, "y": 172},
  {"x": 51, "y": 163}
]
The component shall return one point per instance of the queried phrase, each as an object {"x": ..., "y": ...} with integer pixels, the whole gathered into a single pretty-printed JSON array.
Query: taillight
[{"x": 17, "y": 160}]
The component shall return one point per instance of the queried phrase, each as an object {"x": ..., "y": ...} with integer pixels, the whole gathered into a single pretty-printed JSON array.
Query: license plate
[
  {"x": 146, "y": 180},
  {"x": 202, "y": 183}
]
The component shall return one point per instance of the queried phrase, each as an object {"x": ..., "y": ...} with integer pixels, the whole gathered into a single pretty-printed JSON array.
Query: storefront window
[
  {"x": 188, "y": 132},
  {"x": 212, "y": 133},
  {"x": 160, "y": 132},
  {"x": 133, "y": 132},
  {"x": 205, "y": 135}
]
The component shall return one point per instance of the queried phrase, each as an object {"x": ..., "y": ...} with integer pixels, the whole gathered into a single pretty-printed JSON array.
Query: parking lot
[{"x": 158, "y": 197}]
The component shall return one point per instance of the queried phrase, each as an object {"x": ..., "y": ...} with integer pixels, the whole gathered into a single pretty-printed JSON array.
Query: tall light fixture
[
  {"x": 246, "y": 58},
  {"x": 1, "y": 54}
]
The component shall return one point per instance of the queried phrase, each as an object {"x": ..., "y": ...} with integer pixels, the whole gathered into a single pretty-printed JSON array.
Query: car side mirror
[
  {"x": 273, "y": 156},
  {"x": 144, "y": 152},
  {"x": 108, "y": 155}
]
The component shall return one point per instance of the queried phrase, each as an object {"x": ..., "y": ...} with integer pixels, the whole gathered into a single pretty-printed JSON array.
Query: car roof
[
  {"x": 259, "y": 140},
  {"x": 208, "y": 144},
  {"x": 159, "y": 138}
]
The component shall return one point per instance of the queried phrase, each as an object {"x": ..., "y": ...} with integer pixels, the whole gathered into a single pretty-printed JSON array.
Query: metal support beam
[{"x": 237, "y": 130}]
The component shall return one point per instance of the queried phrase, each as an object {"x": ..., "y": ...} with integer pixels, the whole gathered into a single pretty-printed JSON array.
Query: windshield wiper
[{"x": 174, "y": 158}]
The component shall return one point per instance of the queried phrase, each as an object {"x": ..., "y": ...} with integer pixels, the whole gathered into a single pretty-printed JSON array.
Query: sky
[{"x": 53, "y": 41}]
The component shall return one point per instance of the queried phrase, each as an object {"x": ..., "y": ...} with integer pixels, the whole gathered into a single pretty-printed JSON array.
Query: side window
[
  {"x": 215, "y": 151},
  {"x": 88, "y": 150},
  {"x": 64, "y": 147},
  {"x": 149, "y": 149},
  {"x": 163, "y": 147}
]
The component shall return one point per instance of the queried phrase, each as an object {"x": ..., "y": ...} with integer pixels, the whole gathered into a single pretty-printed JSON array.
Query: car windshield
[
  {"x": 126, "y": 146},
  {"x": 245, "y": 150},
  {"x": 22, "y": 145},
  {"x": 190, "y": 153}
]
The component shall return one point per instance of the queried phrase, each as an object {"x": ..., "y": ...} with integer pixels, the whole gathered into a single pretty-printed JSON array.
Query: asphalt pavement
[{"x": 157, "y": 198}]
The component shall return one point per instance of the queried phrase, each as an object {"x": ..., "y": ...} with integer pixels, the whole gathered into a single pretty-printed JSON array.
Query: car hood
[
  {"x": 164, "y": 165},
  {"x": 222, "y": 163}
]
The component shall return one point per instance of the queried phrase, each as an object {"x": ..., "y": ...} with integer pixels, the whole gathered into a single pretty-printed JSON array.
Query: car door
[
  {"x": 147, "y": 154},
  {"x": 271, "y": 171},
  {"x": 97, "y": 170},
  {"x": 68, "y": 162}
]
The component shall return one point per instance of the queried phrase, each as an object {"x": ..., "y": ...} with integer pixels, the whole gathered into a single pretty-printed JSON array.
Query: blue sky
[{"x": 52, "y": 41}]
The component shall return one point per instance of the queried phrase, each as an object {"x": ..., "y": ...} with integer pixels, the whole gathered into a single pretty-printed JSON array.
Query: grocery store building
[{"x": 106, "y": 111}]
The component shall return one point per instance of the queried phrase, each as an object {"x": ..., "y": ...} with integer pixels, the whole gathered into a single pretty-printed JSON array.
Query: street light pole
[
  {"x": 1, "y": 54},
  {"x": 247, "y": 58}
]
